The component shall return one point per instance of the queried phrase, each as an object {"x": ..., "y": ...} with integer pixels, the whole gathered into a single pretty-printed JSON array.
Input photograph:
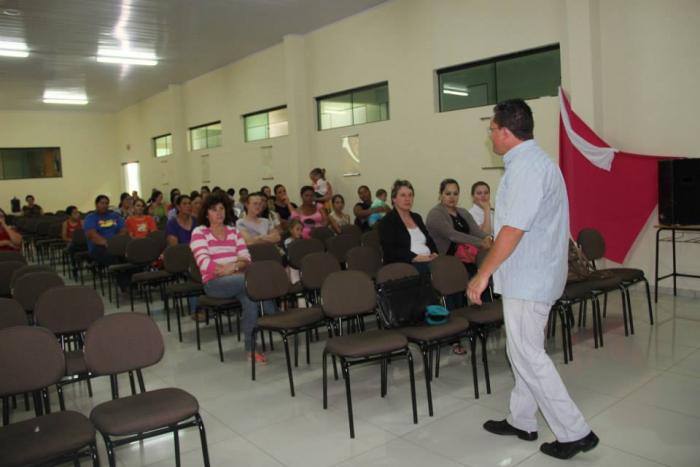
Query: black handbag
[{"x": 402, "y": 302}]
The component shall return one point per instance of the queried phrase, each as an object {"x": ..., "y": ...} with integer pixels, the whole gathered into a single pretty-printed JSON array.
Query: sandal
[
  {"x": 259, "y": 357},
  {"x": 457, "y": 349}
]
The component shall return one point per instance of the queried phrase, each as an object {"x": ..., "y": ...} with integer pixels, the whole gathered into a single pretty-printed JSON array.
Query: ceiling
[{"x": 188, "y": 37}]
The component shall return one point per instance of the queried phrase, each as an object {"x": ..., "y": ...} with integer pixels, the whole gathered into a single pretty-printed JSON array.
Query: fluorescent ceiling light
[
  {"x": 13, "y": 49},
  {"x": 65, "y": 97},
  {"x": 455, "y": 93},
  {"x": 126, "y": 57}
]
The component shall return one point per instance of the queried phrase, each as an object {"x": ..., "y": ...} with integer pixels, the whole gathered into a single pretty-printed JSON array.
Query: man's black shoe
[
  {"x": 569, "y": 450},
  {"x": 506, "y": 429}
]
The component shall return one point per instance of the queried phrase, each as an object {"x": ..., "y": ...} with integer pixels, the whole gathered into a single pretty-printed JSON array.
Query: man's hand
[
  {"x": 486, "y": 243},
  {"x": 476, "y": 287}
]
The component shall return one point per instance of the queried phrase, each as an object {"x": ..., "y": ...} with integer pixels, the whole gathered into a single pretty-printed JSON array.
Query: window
[
  {"x": 526, "y": 75},
  {"x": 205, "y": 136},
  {"x": 355, "y": 107},
  {"x": 18, "y": 163},
  {"x": 163, "y": 145},
  {"x": 266, "y": 124}
]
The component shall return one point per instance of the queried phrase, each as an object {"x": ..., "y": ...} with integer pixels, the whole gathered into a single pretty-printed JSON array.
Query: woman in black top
[
  {"x": 402, "y": 233},
  {"x": 283, "y": 206}
]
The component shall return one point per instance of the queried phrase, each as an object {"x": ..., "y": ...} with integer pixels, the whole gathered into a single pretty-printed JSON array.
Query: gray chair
[
  {"x": 12, "y": 256},
  {"x": 298, "y": 249},
  {"x": 179, "y": 262},
  {"x": 364, "y": 258},
  {"x": 322, "y": 233},
  {"x": 124, "y": 342},
  {"x": 347, "y": 294},
  {"x": 315, "y": 267},
  {"x": 267, "y": 280},
  {"x": 7, "y": 268},
  {"x": 11, "y": 313},
  {"x": 265, "y": 252},
  {"x": 51, "y": 438},
  {"x": 28, "y": 288},
  {"x": 28, "y": 270},
  {"x": 339, "y": 246}
]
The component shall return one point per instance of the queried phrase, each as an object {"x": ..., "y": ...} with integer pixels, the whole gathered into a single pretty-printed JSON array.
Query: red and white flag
[{"x": 612, "y": 191}]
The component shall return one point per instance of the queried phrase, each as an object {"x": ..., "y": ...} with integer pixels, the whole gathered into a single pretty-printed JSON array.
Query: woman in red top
[
  {"x": 10, "y": 239},
  {"x": 71, "y": 224},
  {"x": 140, "y": 225}
]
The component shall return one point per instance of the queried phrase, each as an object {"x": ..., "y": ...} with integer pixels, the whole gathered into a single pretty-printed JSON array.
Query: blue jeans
[{"x": 234, "y": 286}]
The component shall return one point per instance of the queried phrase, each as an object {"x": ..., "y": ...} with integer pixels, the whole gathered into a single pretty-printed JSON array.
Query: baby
[{"x": 379, "y": 202}]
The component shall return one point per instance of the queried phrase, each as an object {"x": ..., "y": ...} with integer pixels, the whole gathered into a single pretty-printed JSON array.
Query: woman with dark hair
[
  {"x": 222, "y": 257},
  {"x": 402, "y": 233},
  {"x": 196, "y": 202},
  {"x": 139, "y": 225},
  {"x": 10, "y": 239},
  {"x": 481, "y": 197},
  {"x": 309, "y": 213},
  {"x": 452, "y": 226},
  {"x": 179, "y": 229},
  {"x": 337, "y": 218},
  {"x": 126, "y": 205},
  {"x": 69, "y": 226},
  {"x": 282, "y": 206}
]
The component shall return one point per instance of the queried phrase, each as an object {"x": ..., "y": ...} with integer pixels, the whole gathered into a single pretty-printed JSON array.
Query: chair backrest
[
  {"x": 321, "y": 233},
  {"x": 300, "y": 248},
  {"x": 7, "y": 268},
  {"x": 364, "y": 258},
  {"x": 448, "y": 275},
  {"x": 69, "y": 309},
  {"x": 11, "y": 313},
  {"x": 177, "y": 258},
  {"x": 160, "y": 238},
  {"x": 78, "y": 237},
  {"x": 195, "y": 273},
  {"x": 394, "y": 271},
  {"x": 264, "y": 252},
  {"x": 371, "y": 238},
  {"x": 30, "y": 359},
  {"x": 122, "y": 342},
  {"x": 116, "y": 245},
  {"x": 142, "y": 251},
  {"x": 592, "y": 244},
  {"x": 55, "y": 229},
  {"x": 339, "y": 245},
  {"x": 315, "y": 267},
  {"x": 23, "y": 271},
  {"x": 28, "y": 288},
  {"x": 348, "y": 293},
  {"x": 351, "y": 229},
  {"x": 12, "y": 256},
  {"x": 265, "y": 280}
]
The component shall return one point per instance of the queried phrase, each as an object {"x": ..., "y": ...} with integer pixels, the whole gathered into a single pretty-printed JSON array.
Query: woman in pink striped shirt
[{"x": 222, "y": 257}]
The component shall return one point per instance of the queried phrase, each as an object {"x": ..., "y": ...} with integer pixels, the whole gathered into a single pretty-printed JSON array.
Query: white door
[{"x": 132, "y": 177}]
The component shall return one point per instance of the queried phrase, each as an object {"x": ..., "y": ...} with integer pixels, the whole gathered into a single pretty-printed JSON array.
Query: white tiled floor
[{"x": 641, "y": 395}]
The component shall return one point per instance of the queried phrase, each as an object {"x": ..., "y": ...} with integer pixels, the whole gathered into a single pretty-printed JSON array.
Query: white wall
[{"x": 87, "y": 157}]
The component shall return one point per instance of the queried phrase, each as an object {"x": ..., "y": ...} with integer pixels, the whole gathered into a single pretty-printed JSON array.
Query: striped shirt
[{"x": 209, "y": 251}]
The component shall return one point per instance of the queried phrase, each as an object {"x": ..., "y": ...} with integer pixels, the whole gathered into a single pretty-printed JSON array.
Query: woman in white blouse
[{"x": 481, "y": 197}]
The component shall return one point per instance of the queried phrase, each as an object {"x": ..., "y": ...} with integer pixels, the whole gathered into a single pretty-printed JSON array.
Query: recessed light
[
  {"x": 13, "y": 49},
  {"x": 11, "y": 12},
  {"x": 65, "y": 97},
  {"x": 126, "y": 57}
]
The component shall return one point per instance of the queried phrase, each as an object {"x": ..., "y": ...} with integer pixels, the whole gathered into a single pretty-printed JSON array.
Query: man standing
[{"x": 529, "y": 263}]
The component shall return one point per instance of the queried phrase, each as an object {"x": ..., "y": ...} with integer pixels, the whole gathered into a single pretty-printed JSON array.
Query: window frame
[
  {"x": 204, "y": 125},
  {"x": 155, "y": 145},
  {"x": 491, "y": 61},
  {"x": 260, "y": 112},
  {"x": 352, "y": 92},
  {"x": 56, "y": 148}
]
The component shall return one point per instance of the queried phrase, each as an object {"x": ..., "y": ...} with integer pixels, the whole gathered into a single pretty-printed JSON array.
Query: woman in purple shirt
[{"x": 179, "y": 228}]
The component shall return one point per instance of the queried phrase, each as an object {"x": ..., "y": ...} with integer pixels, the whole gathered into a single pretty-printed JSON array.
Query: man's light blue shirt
[{"x": 532, "y": 198}]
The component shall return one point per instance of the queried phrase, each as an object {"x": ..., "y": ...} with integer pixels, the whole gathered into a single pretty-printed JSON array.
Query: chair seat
[
  {"x": 582, "y": 289},
  {"x": 75, "y": 363},
  {"x": 122, "y": 267},
  {"x": 144, "y": 412},
  {"x": 41, "y": 439},
  {"x": 151, "y": 276},
  {"x": 185, "y": 288},
  {"x": 625, "y": 274},
  {"x": 366, "y": 343},
  {"x": 296, "y": 288},
  {"x": 291, "y": 319},
  {"x": 454, "y": 325},
  {"x": 210, "y": 302},
  {"x": 487, "y": 313}
]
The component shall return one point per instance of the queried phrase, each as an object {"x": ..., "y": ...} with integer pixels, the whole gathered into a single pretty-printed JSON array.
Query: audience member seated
[
  {"x": 174, "y": 193},
  {"x": 379, "y": 202},
  {"x": 179, "y": 229},
  {"x": 222, "y": 257},
  {"x": 363, "y": 209},
  {"x": 337, "y": 218},
  {"x": 10, "y": 239},
  {"x": 402, "y": 233},
  {"x": 126, "y": 205},
  {"x": 309, "y": 213},
  {"x": 31, "y": 209},
  {"x": 156, "y": 208},
  {"x": 452, "y": 226},
  {"x": 239, "y": 207},
  {"x": 481, "y": 197},
  {"x": 70, "y": 225},
  {"x": 282, "y": 205},
  {"x": 140, "y": 225},
  {"x": 100, "y": 225},
  {"x": 252, "y": 227}
]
